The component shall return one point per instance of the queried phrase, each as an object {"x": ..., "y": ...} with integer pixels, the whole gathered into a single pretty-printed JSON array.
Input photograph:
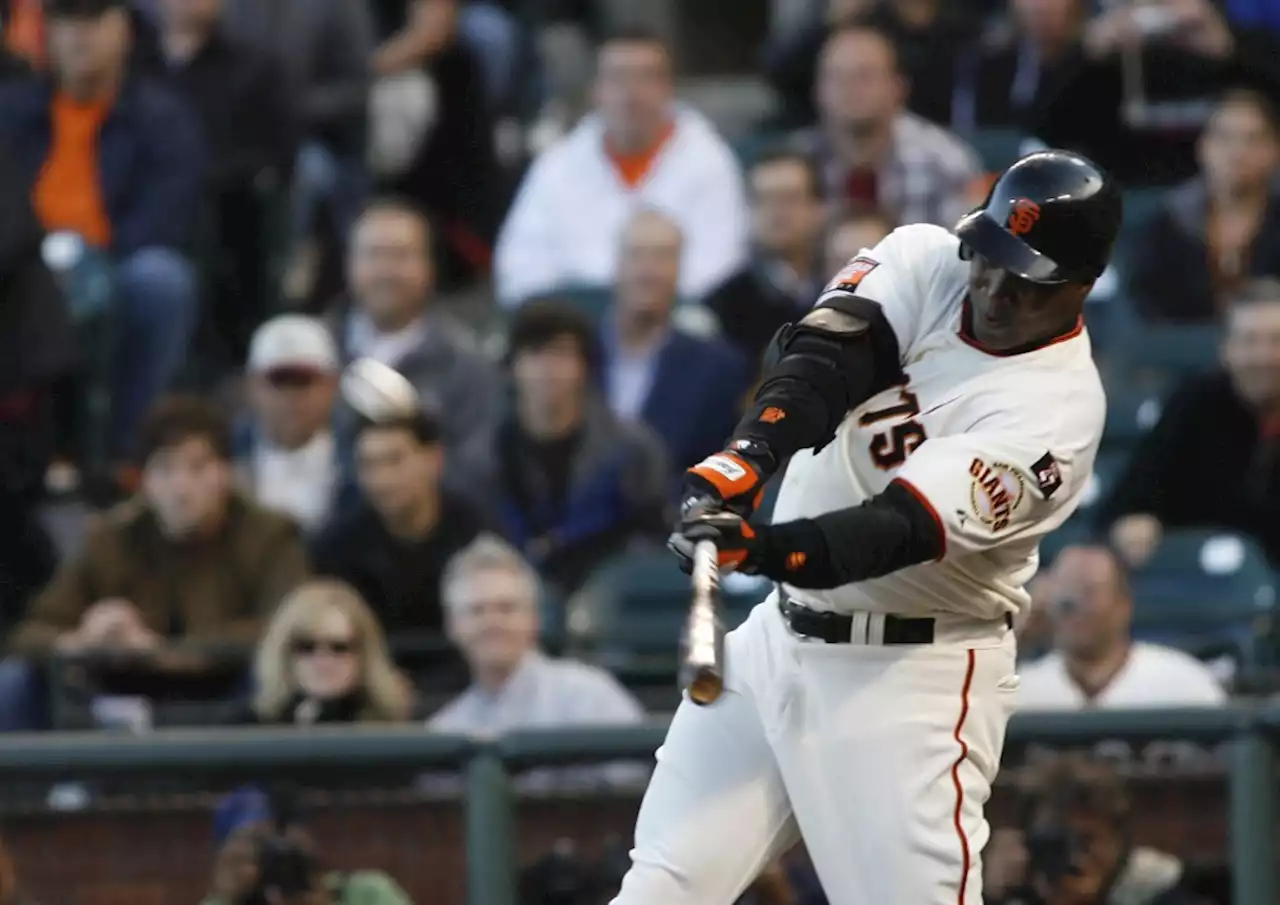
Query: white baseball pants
[{"x": 881, "y": 756}]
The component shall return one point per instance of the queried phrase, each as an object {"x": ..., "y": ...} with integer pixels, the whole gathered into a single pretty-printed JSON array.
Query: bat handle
[
  {"x": 706, "y": 567},
  {"x": 704, "y": 636}
]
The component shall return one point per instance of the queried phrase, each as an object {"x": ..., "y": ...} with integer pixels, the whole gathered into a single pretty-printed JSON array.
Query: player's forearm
[{"x": 889, "y": 532}]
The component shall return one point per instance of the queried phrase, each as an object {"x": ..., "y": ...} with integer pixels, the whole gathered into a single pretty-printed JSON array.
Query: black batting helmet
[{"x": 1052, "y": 217}]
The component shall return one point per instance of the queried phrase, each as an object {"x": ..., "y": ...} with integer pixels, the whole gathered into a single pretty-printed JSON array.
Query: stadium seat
[
  {"x": 593, "y": 301},
  {"x": 1208, "y": 593},
  {"x": 749, "y": 148},
  {"x": 1075, "y": 531},
  {"x": 1107, "y": 469},
  {"x": 998, "y": 148},
  {"x": 1153, "y": 358},
  {"x": 637, "y": 604},
  {"x": 1130, "y": 414}
]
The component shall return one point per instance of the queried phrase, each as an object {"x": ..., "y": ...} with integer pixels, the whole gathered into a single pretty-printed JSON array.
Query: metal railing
[{"x": 1252, "y": 732}]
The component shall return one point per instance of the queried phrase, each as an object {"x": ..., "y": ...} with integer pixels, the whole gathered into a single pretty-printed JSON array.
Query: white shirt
[
  {"x": 544, "y": 693},
  {"x": 1153, "y": 676},
  {"x": 999, "y": 447},
  {"x": 298, "y": 482},
  {"x": 565, "y": 225},
  {"x": 367, "y": 341}
]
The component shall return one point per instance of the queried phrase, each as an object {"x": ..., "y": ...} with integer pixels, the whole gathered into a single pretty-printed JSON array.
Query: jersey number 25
[{"x": 890, "y": 448}]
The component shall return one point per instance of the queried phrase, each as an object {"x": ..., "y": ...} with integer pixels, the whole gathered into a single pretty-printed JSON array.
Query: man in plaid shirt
[{"x": 873, "y": 152}]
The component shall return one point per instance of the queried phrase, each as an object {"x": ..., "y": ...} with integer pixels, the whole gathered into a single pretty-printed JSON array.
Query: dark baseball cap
[{"x": 81, "y": 9}]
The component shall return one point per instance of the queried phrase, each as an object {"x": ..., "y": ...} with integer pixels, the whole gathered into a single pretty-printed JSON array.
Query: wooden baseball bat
[{"x": 702, "y": 646}]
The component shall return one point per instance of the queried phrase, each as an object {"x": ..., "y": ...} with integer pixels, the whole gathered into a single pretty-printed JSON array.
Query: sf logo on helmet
[{"x": 1024, "y": 216}]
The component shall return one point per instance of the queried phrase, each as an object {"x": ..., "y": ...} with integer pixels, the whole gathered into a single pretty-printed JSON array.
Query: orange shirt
[
  {"x": 632, "y": 168},
  {"x": 68, "y": 194}
]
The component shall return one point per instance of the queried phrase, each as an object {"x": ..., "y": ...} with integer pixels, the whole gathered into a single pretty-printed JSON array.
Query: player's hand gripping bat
[{"x": 702, "y": 646}]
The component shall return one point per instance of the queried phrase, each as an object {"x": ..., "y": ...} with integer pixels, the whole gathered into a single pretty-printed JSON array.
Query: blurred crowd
[{"x": 210, "y": 208}]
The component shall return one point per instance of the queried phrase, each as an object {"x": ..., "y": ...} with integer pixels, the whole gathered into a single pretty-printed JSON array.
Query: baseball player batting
[{"x": 941, "y": 412}]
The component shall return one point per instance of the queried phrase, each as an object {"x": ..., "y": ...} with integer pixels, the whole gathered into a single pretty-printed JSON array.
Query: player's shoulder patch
[
  {"x": 853, "y": 273},
  {"x": 1048, "y": 474}
]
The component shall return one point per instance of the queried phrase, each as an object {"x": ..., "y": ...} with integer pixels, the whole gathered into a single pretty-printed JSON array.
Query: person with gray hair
[{"x": 491, "y": 601}]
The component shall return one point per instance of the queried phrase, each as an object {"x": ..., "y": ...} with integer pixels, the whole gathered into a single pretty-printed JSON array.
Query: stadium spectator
[
  {"x": 37, "y": 353},
  {"x": 393, "y": 318},
  {"x": 189, "y": 561},
  {"x": 12, "y": 66},
  {"x": 23, "y": 23},
  {"x": 393, "y": 546},
  {"x": 285, "y": 451},
  {"x": 324, "y": 659},
  {"x": 115, "y": 159},
  {"x": 1146, "y": 87},
  {"x": 688, "y": 389},
  {"x": 326, "y": 47},
  {"x": 574, "y": 484},
  {"x": 262, "y": 845},
  {"x": 848, "y": 234},
  {"x": 448, "y": 164},
  {"x": 926, "y": 33},
  {"x": 1218, "y": 229},
  {"x": 249, "y": 115},
  {"x": 872, "y": 152},
  {"x": 491, "y": 597},
  {"x": 782, "y": 279},
  {"x": 1005, "y": 78},
  {"x": 1095, "y": 662},
  {"x": 639, "y": 148},
  {"x": 1222, "y": 424},
  {"x": 1075, "y": 846}
]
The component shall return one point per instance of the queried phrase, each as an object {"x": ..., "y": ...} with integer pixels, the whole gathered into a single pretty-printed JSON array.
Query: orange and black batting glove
[
  {"x": 731, "y": 479},
  {"x": 795, "y": 552},
  {"x": 735, "y": 540}
]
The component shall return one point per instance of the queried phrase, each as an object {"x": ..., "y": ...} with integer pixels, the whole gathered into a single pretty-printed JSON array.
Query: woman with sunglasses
[{"x": 324, "y": 659}]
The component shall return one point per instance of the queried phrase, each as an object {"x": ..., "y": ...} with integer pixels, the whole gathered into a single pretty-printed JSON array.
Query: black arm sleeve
[
  {"x": 887, "y": 533},
  {"x": 817, "y": 378}
]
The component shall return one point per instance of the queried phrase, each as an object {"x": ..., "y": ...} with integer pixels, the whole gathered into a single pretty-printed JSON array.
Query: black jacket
[
  {"x": 246, "y": 106},
  {"x": 1088, "y": 113},
  {"x": 400, "y": 579},
  {"x": 37, "y": 343},
  {"x": 1169, "y": 277},
  {"x": 1000, "y": 84},
  {"x": 1204, "y": 466}
]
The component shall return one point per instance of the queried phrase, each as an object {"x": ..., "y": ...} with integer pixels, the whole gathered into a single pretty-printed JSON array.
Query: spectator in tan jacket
[{"x": 188, "y": 564}]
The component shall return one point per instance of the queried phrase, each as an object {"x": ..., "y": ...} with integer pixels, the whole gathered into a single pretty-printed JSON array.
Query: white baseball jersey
[{"x": 999, "y": 447}]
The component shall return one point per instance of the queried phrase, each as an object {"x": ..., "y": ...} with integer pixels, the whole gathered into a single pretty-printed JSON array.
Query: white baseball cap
[{"x": 293, "y": 341}]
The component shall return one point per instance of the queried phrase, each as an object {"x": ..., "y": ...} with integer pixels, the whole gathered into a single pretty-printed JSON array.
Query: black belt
[{"x": 837, "y": 628}]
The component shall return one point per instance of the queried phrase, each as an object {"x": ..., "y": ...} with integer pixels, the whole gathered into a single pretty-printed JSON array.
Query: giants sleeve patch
[
  {"x": 1048, "y": 475},
  {"x": 852, "y": 274}
]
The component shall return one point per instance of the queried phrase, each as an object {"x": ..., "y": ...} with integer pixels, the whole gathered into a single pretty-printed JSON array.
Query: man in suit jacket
[{"x": 687, "y": 388}]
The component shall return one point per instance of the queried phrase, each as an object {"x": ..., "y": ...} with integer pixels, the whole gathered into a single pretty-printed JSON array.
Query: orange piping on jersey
[
  {"x": 633, "y": 168},
  {"x": 933, "y": 513},
  {"x": 966, "y": 334},
  {"x": 955, "y": 778}
]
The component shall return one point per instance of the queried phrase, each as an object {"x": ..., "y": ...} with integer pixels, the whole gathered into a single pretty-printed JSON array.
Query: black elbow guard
[{"x": 820, "y": 368}]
